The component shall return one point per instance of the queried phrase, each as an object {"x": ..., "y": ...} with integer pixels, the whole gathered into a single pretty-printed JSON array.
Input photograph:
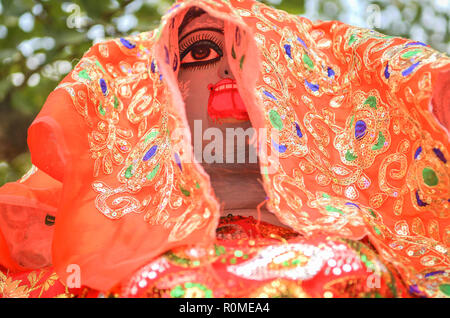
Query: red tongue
[{"x": 226, "y": 103}]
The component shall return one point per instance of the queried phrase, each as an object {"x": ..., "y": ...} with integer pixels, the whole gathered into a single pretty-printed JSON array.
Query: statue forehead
[{"x": 203, "y": 21}]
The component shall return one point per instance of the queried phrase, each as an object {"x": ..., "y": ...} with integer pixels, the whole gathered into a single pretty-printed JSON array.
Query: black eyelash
[{"x": 199, "y": 37}]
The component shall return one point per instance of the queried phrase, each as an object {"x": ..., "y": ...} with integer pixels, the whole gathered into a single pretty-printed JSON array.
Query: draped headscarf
[{"x": 361, "y": 149}]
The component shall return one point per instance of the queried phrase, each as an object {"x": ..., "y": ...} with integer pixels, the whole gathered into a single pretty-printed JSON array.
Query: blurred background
[{"x": 41, "y": 40}]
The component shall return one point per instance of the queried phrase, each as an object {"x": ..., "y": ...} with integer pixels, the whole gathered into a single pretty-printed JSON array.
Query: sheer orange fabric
[{"x": 361, "y": 148}]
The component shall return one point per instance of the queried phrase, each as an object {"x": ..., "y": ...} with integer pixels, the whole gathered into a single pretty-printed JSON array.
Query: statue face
[
  {"x": 211, "y": 96},
  {"x": 208, "y": 87}
]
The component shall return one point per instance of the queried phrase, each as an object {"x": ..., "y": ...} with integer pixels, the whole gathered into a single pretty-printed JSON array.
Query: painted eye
[{"x": 201, "y": 52}]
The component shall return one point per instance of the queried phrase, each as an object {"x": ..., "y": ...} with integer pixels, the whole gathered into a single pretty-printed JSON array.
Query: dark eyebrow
[{"x": 201, "y": 29}]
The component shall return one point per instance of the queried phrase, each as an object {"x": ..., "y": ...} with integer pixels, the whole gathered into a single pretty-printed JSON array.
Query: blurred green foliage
[{"x": 41, "y": 40}]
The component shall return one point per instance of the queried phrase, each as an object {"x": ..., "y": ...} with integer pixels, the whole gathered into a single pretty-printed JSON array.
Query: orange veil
[{"x": 361, "y": 149}]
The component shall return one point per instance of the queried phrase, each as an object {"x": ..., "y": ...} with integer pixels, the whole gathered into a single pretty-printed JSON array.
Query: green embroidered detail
[
  {"x": 128, "y": 173},
  {"x": 411, "y": 53},
  {"x": 184, "y": 191},
  {"x": 101, "y": 110},
  {"x": 445, "y": 288},
  {"x": 116, "y": 102},
  {"x": 99, "y": 65},
  {"x": 330, "y": 208},
  {"x": 275, "y": 119},
  {"x": 352, "y": 39},
  {"x": 177, "y": 292},
  {"x": 351, "y": 121},
  {"x": 178, "y": 259},
  {"x": 371, "y": 101},
  {"x": 377, "y": 230},
  {"x": 151, "y": 135},
  {"x": 84, "y": 74},
  {"x": 207, "y": 292},
  {"x": 219, "y": 249},
  {"x": 380, "y": 142},
  {"x": 152, "y": 174},
  {"x": 307, "y": 60},
  {"x": 350, "y": 156},
  {"x": 429, "y": 177}
]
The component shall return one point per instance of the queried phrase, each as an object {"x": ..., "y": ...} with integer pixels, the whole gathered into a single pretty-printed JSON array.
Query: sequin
[
  {"x": 434, "y": 273},
  {"x": 440, "y": 155},
  {"x": 302, "y": 42},
  {"x": 387, "y": 74},
  {"x": 268, "y": 94},
  {"x": 360, "y": 129},
  {"x": 416, "y": 43},
  {"x": 418, "y": 152},
  {"x": 419, "y": 201},
  {"x": 353, "y": 204},
  {"x": 103, "y": 86},
  {"x": 178, "y": 161},
  {"x": 330, "y": 72},
  {"x": 127, "y": 43},
  {"x": 313, "y": 87},
  {"x": 279, "y": 148},
  {"x": 287, "y": 49},
  {"x": 298, "y": 130},
  {"x": 150, "y": 153},
  {"x": 153, "y": 67},
  {"x": 410, "y": 69}
]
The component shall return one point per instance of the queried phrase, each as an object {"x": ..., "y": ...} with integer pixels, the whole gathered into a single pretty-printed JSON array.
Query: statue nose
[{"x": 225, "y": 71}]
